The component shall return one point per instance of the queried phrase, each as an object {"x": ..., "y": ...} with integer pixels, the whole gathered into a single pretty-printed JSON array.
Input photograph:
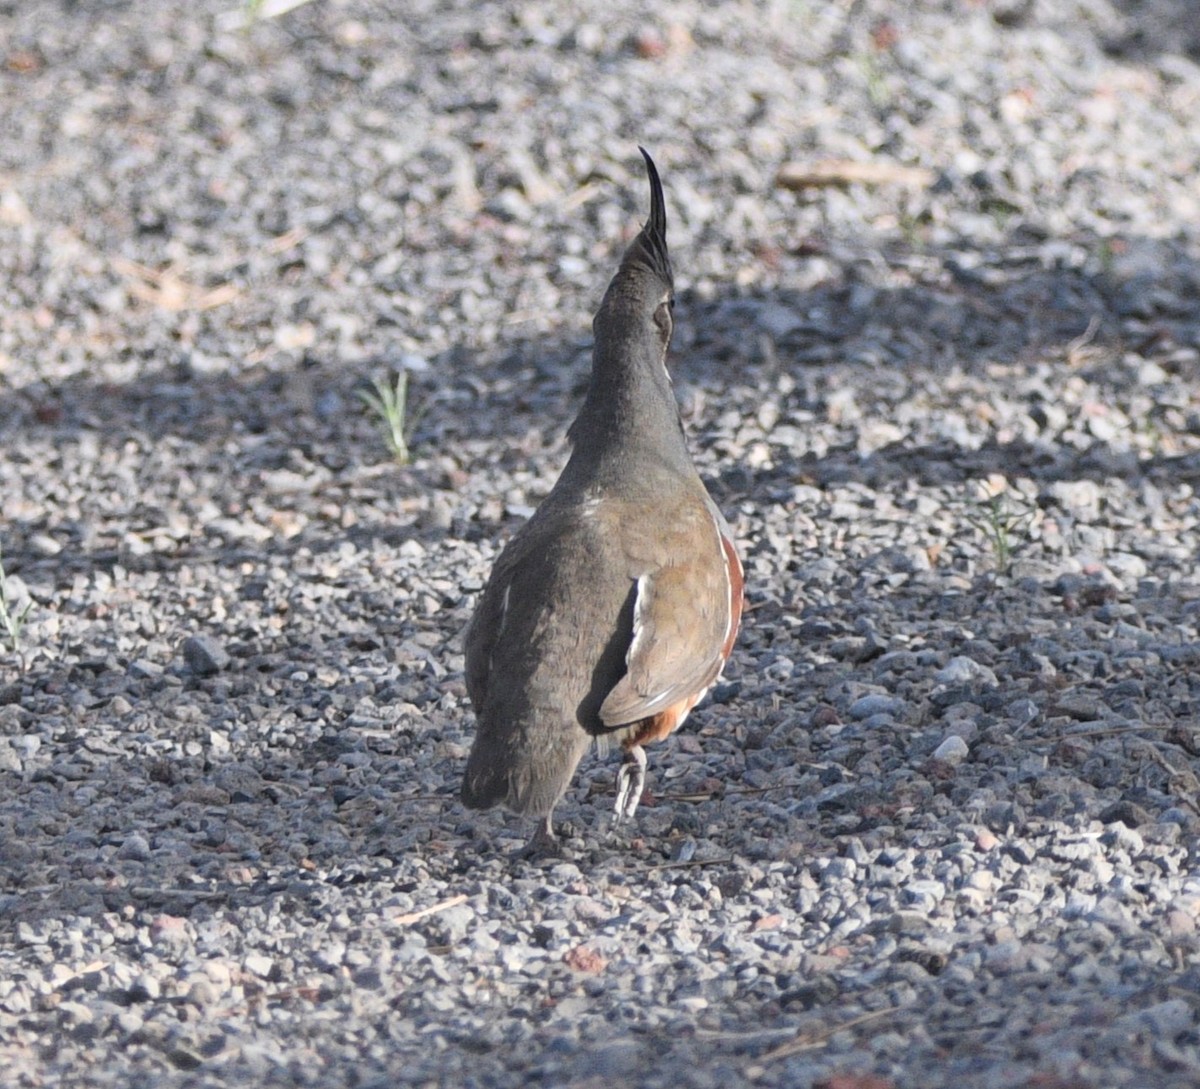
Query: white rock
[
  {"x": 258, "y": 964},
  {"x": 953, "y": 750},
  {"x": 963, "y": 670}
]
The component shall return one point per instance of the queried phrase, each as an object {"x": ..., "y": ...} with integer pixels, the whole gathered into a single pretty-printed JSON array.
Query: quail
[{"x": 612, "y": 611}]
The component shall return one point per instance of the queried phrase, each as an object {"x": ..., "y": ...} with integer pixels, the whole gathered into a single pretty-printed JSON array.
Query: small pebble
[
  {"x": 954, "y": 750},
  {"x": 135, "y": 848},
  {"x": 866, "y": 707},
  {"x": 204, "y": 655}
]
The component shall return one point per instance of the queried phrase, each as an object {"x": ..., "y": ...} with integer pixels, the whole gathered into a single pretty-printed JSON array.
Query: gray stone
[
  {"x": 962, "y": 670},
  {"x": 135, "y": 848},
  {"x": 204, "y": 655},
  {"x": 876, "y": 704}
]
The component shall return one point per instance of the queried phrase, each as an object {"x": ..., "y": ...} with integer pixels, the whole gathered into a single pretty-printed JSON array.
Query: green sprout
[
  {"x": 389, "y": 403},
  {"x": 875, "y": 80},
  {"x": 999, "y": 514}
]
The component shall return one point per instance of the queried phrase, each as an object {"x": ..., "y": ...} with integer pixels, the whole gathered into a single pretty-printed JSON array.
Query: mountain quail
[{"x": 612, "y": 611}]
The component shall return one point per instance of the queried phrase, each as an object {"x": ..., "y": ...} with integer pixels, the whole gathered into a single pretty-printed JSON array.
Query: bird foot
[
  {"x": 543, "y": 841},
  {"x": 631, "y": 781}
]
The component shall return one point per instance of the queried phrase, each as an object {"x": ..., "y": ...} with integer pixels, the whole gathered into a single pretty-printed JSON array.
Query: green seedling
[
  {"x": 1002, "y": 517},
  {"x": 875, "y": 80},
  {"x": 389, "y": 403}
]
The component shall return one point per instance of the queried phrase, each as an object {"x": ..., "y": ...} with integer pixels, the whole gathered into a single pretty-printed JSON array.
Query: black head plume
[
  {"x": 652, "y": 242},
  {"x": 630, "y": 402}
]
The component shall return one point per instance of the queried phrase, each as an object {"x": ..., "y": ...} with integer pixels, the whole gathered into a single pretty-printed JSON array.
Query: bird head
[{"x": 641, "y": 295}]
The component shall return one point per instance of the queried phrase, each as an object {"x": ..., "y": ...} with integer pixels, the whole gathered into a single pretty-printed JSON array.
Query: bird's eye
[{"x": 662, "y": 318}]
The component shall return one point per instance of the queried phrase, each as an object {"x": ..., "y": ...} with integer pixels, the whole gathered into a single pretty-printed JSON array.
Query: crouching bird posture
[{"x": 613, "y": 609}]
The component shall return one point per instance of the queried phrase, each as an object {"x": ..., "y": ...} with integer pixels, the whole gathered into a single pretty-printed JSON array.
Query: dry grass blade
[
  {"x": 838, "y": 172},
  {"x": 146, "y": 892},
  {"x": 580, "y": 197},
  {"x": 806, "y": 1041},
  {"x": 166, "y": 290},
  {"x": 688, "y": 863},
  {"x": 1106, "y": 731},
  {"x": 288, "y": 240},
  {"x": 699, "y": 796},
  {"x": 433, "y": 909},
  {"x": 1184, "y": 776},
  {"x": 1075, "y": 348}
]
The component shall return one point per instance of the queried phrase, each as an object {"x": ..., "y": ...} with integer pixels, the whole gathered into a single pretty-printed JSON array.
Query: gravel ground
[{"x": 938, "y": 825}]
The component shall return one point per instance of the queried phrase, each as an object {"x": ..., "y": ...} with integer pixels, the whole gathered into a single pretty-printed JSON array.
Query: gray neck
[{"x": 629, "y": 416}]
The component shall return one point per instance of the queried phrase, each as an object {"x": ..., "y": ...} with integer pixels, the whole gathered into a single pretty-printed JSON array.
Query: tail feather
[{"x": 525, "y": 769}]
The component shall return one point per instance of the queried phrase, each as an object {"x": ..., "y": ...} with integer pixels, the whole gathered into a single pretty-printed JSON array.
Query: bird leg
[
  {"x": 543, "y": 841},
  {"x": 631, "y": 781}
]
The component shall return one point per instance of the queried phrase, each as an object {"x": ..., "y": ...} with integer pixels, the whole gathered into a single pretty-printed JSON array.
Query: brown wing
[{"x": 684, "y": 619}]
